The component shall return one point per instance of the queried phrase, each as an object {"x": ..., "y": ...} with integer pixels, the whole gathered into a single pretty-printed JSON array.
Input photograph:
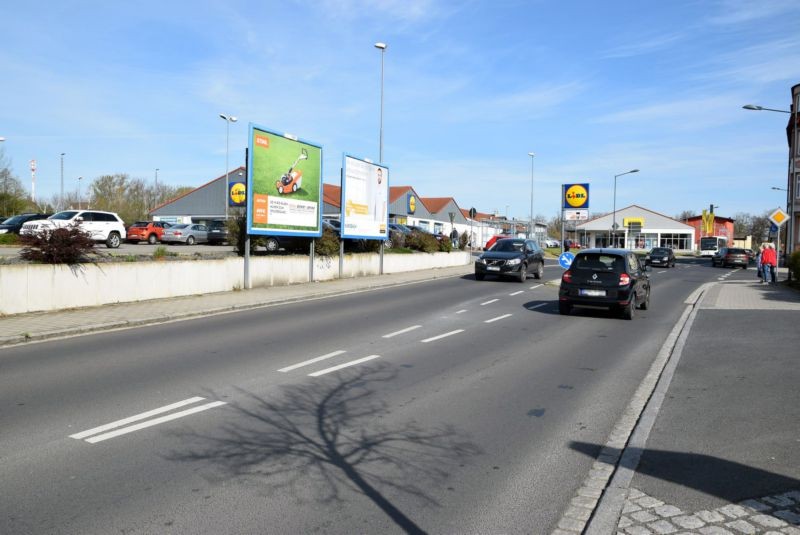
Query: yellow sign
[
  {"x": 576, "y": 196},
  {"x": 708, "y": 222},
  {"x": 778, "y": 217},
  {"x": 628, "y": 221},
  {"x": 238, "y": 193}
]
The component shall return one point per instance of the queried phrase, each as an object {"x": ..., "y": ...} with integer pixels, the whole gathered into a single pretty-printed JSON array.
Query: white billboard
[{"x": 365, "y": 199}]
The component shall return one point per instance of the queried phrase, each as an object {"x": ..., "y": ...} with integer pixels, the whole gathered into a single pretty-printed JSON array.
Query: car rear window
[
  {"x": 660, "y": 250},
  {"x": 736, "y": 251},
  {"x": 599, "y": 262},
  {"x": 140, "y": 224}
]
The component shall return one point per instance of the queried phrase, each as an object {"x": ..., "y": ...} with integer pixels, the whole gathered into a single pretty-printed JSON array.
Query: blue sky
[{"x": 593, "y": 88}]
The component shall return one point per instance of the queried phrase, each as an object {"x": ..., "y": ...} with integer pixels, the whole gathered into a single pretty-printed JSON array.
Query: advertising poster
[
  {"x": 365, "y": 199},
  {"x": 284, "y": 185}
]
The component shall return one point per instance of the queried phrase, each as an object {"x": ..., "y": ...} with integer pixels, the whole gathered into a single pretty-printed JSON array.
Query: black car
[
  {"x": 511, "y": 257},
  {"x": 218, "y": 232},
  {"x": 660, "y": 256},
  {"x": 731, "y": 256},
  {"x": 14, "y": 224},
  {"x": 607, "y": 278}
]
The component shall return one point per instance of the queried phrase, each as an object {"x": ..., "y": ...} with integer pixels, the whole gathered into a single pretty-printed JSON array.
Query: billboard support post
[
  {"x": 311, "y": 262},
  {"x": 341, "y": 257}
]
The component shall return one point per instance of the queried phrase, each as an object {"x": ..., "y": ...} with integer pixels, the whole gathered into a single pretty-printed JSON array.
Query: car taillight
[
  {"x": 177, "y": 233},
  {"x": 567, "y": 276},
  {"x": 624, "y": 279}
]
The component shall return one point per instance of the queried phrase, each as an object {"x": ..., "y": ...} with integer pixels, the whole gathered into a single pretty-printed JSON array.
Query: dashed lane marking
[
  {"x": 345, "y": 365},
  {"x": 516, "y": 293},
  {"x": 402, "y": 331},
  {"x": 312, "y": 361},
  {"x": 537, "y": 286},
  {"x": 490, "y": 302},
  {"x": 461, "y": 311},
  {"x": 445, "y": 335},
  {"x": 498, "y": 318}
]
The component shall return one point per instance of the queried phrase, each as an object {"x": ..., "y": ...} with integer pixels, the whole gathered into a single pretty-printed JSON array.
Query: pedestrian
[
  {"x": 454, "y": 238},
  {"x": 759, "y": 267},
  {"x": 769, "y": 264}
]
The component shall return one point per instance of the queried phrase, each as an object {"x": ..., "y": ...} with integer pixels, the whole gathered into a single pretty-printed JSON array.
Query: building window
[{"x": 676, "y": 241}]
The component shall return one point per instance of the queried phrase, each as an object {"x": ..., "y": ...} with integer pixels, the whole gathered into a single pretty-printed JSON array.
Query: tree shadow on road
[{"x": 329, "y": 436}]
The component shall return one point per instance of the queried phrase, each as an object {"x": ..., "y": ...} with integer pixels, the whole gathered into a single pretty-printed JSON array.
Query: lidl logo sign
[
  {"x": 237, "y": 193},
  {"x": 576, "y": 195},
  {"x": 412, "y": 204}
]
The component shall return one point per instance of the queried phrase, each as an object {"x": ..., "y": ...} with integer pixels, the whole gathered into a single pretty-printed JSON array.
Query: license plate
[
  {"x": 592, "y": 293},
  {"x": 492, "y": 268}
]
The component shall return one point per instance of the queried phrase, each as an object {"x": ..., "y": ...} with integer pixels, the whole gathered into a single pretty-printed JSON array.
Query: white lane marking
[
  {"x": 537, "y": 286},
  {"x": 402, "y": 331},
  {"x": 498, "y": 318},
  {"x": 517, "y": 293},
  {"x": 534, "y": 307},
  {"x": 461, "y": 311},
  {"x": 445, "y": 335},
  {"x": 661, "y": 271},
  {"x": 345, "y": 365},
  {"x": 312, "y": 361},
  {"x": 156, "y": 421},
  {"x": 135, "y": 418},
  {"x": 490, "y": 302}
]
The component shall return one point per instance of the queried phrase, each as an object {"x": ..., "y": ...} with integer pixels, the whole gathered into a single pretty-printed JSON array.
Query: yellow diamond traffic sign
[{"x": 778, "y": 217}]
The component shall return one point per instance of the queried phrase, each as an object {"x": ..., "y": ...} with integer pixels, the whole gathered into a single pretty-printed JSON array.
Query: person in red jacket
[{"x": 769, "y": 263}]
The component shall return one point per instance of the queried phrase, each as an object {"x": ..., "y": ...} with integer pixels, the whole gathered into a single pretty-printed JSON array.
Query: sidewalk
[
  {"x": 33, "y": 326},
  {"x": 723, "y": 454}
]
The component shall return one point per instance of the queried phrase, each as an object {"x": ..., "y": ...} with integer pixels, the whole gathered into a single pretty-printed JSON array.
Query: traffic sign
[
  {"x": 472, "y": 213},
  {"x": 778, "y": 217},
  {"x": 565, "y": 259}
]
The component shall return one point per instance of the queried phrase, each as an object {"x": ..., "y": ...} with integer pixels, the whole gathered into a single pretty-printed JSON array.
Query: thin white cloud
[
  {"x": 644, "y": 45},
  {"x": 772, "y": 61},
  {"x": 734, "y": 12},
  {"x": 691, "y": 113}
]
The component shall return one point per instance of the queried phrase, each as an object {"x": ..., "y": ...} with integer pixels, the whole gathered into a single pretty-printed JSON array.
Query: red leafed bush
[{"x": 68, "y": 245}]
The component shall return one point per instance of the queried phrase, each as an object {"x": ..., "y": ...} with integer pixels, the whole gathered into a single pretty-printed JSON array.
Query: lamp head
[
  {"x": 752, "y": 107},
  {"x": 531, "y": 154},
  {"x": 382, "y": 46}
]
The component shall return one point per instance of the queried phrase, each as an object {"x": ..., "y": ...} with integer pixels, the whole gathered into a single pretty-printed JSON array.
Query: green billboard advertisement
[{"x": 284, "y": 185}]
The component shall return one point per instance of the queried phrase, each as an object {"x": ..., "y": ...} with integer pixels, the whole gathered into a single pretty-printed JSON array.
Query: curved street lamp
[
  {"x": 228, "y": 120},
  {"x": 382, "y": 48},
  {"x": 614, "y": 216},
  {"x": 531, "y": 229}
]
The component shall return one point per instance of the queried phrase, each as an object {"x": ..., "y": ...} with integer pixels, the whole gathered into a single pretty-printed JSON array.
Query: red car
[
  {"x": 149, "y": 231},
  {"x": 493, "y": 239}
]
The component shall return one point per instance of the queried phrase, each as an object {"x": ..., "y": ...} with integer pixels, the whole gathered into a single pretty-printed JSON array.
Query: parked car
[
  {"x": 106, "y": 227},
  {"x": 14, "y": 223},
  {"x": 730, "y": 256},
  {"x": 609, "y": 278},
  {"x": 551, "y": 242},
  {"x": 511, "y": 257},
  {"x": 660, "y": 256},
  {"x": 218, "y": 232},
  {"x": 188, "y": 233},
  {"x": 571, "y": 244},
  {"x": 149, "y": 231},
  {"x": 415, "y": 228},
  {"x": 494, "y": 239},
  {"x": 402, "y": 229}
]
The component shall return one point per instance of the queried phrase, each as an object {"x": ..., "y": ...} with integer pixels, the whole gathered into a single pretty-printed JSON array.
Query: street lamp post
[
  {"x": 792, "y": 111},
  {"x": 228, "y": 120},
  {"x": 61, "y": 198},
  {"x": 79, "y": 192},
  {"x": 382, "y": 48},
  {"x": 614, "y": 216},
  {"x": 530, "y": 223}
]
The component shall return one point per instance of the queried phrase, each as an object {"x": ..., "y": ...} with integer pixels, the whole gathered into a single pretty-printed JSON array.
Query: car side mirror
[{"x": 79, "y": 219}]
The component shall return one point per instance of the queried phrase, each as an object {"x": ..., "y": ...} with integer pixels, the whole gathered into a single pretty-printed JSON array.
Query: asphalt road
[{"x": 455, "y": 415}]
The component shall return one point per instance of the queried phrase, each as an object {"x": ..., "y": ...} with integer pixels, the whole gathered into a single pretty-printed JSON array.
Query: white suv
[{"x": 102, "y": 226}]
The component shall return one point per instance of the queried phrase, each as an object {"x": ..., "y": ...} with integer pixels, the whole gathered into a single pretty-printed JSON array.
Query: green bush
[
  {"x": 445, "y": 245},
  {"x": 9, "y": 239},
  {"x": 68, "y": 245},
  {"x": 462, "y": 240},
  {"x": 327, "y": 244},
  {"x": 421, "y": 241}
]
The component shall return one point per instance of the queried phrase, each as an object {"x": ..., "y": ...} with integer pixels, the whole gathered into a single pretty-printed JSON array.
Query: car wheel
[
  {"x": 564, "y": 309},
  {"x": 539, "y": 271},
  {"x": 388, "y": 244},
  {"x": 190, "y": 240},
  {"x": 113, "y": 240},
  {"x": 646, "y": 303},
  {"x": 479, "y": 276},
  {"x": 151, "y": 239},
  {"x": 272, "y": 245},
  {"x": 523, "y": 273},
  {"x": 628, "y": 311}
]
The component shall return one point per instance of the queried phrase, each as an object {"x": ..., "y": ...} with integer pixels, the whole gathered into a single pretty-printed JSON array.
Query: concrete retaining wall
[{"x": 34, "y": 287}]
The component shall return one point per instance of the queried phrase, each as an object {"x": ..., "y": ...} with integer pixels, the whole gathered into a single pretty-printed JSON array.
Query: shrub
[
  {"x": 162, "y": 252},
  {"x": 9, "y": 239},
  {"x": 67, "y": 245},
  {"x": 327, "y": 244},
  {"x": 445, "y": 245},
  {"x": 462, "y": 241},
  {"x": 422, "y": 242},
  {"x": 398, "y": 239},
  {"x": 237, "y": 229},
  {"x": 794, "y": 265}
]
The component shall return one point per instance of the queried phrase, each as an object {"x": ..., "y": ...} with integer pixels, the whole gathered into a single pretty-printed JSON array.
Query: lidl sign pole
[{"x": 574, "y": 205}]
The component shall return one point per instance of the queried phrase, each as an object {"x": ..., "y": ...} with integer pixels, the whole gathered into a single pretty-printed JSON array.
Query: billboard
[
  {"x": 365, "y": 199},
  {"x": 284, "y": 185}
]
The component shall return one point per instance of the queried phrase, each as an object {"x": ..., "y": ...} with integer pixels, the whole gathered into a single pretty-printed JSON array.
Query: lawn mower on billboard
[{"x": 292, "y": 180}]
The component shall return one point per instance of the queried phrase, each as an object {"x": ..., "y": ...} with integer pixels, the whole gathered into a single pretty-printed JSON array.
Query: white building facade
[{"x": 637, "y": 228}]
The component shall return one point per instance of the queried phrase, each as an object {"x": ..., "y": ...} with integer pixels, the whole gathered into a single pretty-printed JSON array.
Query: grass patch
[{"x": 9, "y": 238}]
